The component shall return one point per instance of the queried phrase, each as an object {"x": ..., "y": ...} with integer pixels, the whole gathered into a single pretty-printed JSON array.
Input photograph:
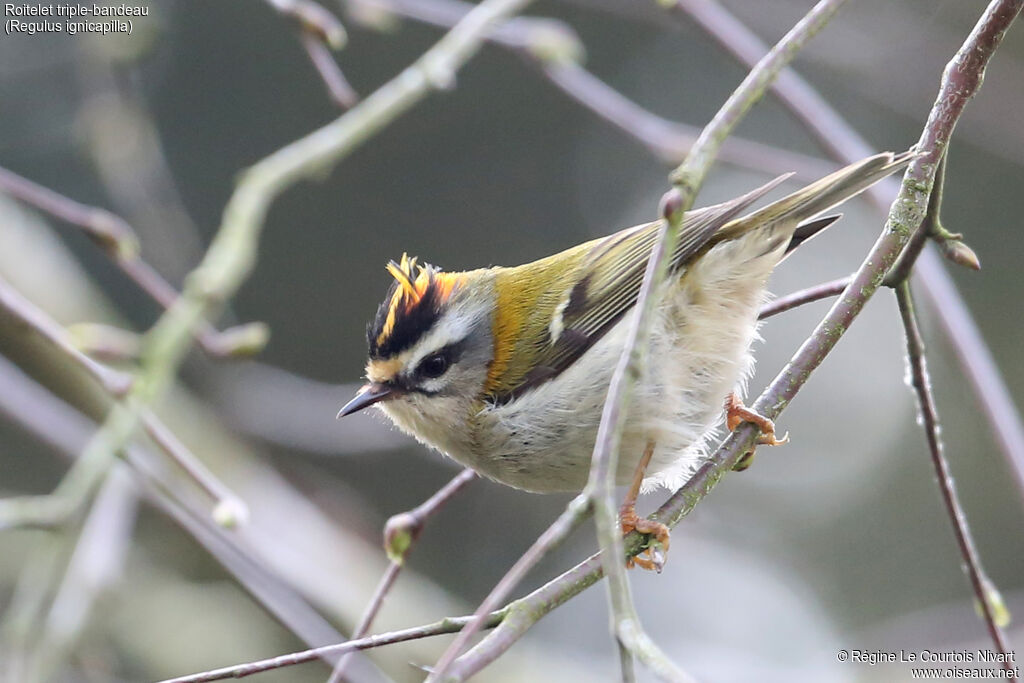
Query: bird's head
[{"x": 430, "y": 345}]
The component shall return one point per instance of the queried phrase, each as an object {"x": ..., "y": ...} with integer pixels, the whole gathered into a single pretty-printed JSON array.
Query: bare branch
[
  {"x": 907, "y": 210},
  {"x": 110, "y": 232},
  {"x": 64, "y": 429},
  {"x": 804, "y": 296},
  {"x": 320, "y": 33},
  {"x": 975, "y": 358},
  {"x": 376, "y": 602},
  {"x": 984, "y": 590},
  {"x": 403, "y": 529},
  {"x": 571, "y": 517},
  {"x": 17, "y": 306},
  {"x": 400, "y": 534},
  {"x": 670, "y": 140},
  {"x": 528, "y": 610},
  {"x": 625, "y": 623},
  {"x": 118, "y": 241},
  {"x": 687, "y": 180},
  {"x": 95, "y": 564},
  {"x": 55, "y": 509},
  {"x": 554, "y": 49},
  {"x": 904, "y": 265},
  {"x": 229, "y": 510},
  {"x": 450, "y": 625},
  {"x": 313, "y": 18},
  {"x": 341, "y": 91},
  {"x": 842, "y": 142}
]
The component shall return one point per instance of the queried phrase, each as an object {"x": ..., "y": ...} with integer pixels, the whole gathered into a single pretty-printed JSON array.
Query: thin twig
[
  {"x": 232, "y": 252},
  {"x": 340, "y": 90},
  {"x": 527, "y": 611},
  {"x": 403, "y": 529},
  {"x": 625, "y": 623},
  {"x": 79, "y": 483},
  {"x": 99, "y": 553},
  {"x": 64, "y": 429},
  {"x": 312, "y": 17},
  {"x": 321, "y": 33},
  {"x": 376, "y": 602},
  {"x": 118, "y": 241},
  {"x": 229, "y": 510},
  {"x": 51, "y": 510},
  {"x": 980, "y": 583},
  {"x": 804, "y": 296},
  {"x": 687, "y": 180},
  {"x": 573, "y": 515},
  {"x": 670, "y": 140},
  {"x": 34, "y": 512},
  {"x": 27, "y": 604},
  {"x": 27, "y": 314},
  {"x": 400, "y": 534},
  {"x": 110, "y": 232},
  {"x": 449, "y": 625},
  {"x": 976, "y": 360},
  {"x": 554, "y": 49},
  {"x": 843, "y": 143}
]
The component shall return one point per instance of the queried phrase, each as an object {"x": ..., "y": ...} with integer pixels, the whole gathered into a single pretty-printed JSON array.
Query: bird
[{"x": 506, "y": 369}]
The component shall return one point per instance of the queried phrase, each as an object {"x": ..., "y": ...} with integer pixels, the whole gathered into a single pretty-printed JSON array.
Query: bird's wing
[
  {"x": 602, "y": 286},
  {"x": 598, "y": 282}
]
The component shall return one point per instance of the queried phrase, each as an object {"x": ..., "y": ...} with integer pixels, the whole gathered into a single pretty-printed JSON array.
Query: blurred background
[{"x": 836, "y": 541}]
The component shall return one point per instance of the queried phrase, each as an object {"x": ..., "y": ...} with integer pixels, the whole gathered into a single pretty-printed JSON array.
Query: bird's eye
[{"x": 433, "y": 366}]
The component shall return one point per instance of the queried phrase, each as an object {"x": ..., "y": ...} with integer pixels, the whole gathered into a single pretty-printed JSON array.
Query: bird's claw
[{"x": 736, "y": 414}]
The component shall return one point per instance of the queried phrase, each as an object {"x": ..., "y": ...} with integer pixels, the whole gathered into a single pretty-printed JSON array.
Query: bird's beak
[{"x": 367, "y": 396}]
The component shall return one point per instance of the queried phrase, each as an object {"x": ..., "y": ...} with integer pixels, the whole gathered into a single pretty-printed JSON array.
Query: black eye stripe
[
  {"x": 433, "y": 366},
  {"x": 440, "y": 361}
]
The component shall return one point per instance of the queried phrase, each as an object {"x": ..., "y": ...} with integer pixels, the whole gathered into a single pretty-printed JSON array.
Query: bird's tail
[{"x": 823, "y": 194}]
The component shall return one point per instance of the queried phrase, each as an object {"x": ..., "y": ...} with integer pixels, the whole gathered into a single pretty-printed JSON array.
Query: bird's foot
[
  {"x": 736, "y": 413},
  {"x": 652, "y": 557}
]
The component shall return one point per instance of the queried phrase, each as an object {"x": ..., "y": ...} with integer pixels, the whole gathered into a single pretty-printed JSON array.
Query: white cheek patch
[{"x": 450, "y": 328}]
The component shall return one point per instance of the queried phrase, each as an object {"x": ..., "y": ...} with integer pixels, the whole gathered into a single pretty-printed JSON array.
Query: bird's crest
[{"x": 412, "y": 305}]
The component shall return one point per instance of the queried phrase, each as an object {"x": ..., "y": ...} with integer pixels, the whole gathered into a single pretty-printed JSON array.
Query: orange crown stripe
[{"x": 412, "y": 288}]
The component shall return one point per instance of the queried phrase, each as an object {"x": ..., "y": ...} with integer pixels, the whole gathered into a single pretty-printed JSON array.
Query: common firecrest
[{"x": 506, "y": 370}]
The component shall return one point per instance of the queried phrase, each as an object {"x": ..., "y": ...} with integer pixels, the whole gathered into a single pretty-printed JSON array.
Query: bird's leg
[
  {"x": 653, "y": 556},
  {"x": 736, "y": 413}
]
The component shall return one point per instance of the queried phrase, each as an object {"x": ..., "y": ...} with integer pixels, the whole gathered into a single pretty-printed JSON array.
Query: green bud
[
  {"x": 104, "y": 341},
  {"x": 1000, "y": 612},
  {"x": 399, "y": 534},
  {"x": 231, "y": 513},
  {"x": 113, "y": 235},
  {"x": 241, "y": 341},
  {"x": 552, "y": 41}
]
